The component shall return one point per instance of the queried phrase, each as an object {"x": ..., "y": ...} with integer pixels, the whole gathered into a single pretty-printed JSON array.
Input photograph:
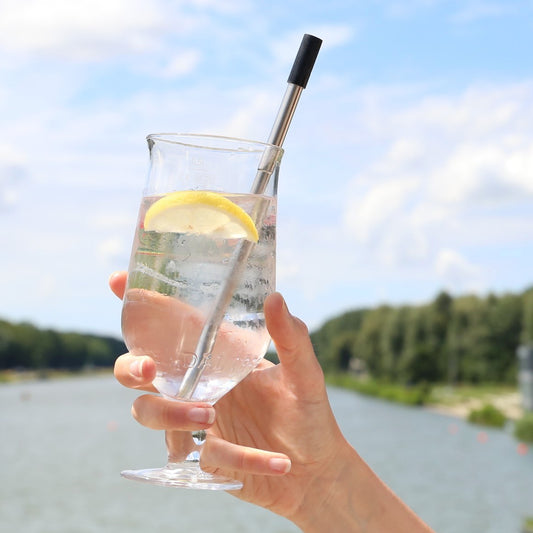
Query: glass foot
[{"x": 186, "y": 475}]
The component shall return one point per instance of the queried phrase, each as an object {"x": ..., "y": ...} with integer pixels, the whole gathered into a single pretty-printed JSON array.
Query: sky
[{"x": 408, "y": 167}]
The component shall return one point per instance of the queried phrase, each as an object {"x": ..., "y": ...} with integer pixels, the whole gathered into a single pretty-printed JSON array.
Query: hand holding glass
[{"x": 180, "y": 264}]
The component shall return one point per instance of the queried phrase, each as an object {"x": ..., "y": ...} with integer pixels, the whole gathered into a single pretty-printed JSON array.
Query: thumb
[
  {"x": 117, "y": 283},
  {"x": 293, "y": 344}
]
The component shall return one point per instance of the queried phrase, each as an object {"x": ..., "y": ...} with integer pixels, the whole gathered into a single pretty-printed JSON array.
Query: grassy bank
[
  {"x": 527, "y": 526},
  {"x": 459, "y": 400},
  {"x": 414, "y": 395},
  {"x": 491, "y": 405},
  {"x": 20, "y": 376}
]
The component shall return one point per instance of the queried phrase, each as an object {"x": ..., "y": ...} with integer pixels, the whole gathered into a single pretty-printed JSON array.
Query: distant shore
[
  {"x": 25, "y": 376},
  {"x": 457, "y": 401},
  {"x": 509, "y": 402}
]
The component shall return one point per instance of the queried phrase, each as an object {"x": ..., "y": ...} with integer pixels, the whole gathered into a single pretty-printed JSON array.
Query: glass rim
[{"x": 188, "y": 139}]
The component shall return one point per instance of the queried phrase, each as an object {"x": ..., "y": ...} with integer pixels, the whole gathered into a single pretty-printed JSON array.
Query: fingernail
[
  {"x": 278, "y": 464},
  {"x": 202, "y": 415},
  {"x": 285, "y": 306},
  {"x": 136, "y": 368}
]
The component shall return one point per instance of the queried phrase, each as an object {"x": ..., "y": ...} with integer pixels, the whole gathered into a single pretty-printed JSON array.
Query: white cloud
[
  {"x": 103, "y": 30},
  {"x": 12, "y": 173},
  {"x": 487, "y": 173},
  {"x": 369, "y": 216},
  {"x": 457, "y": 273},
  {"x": 405, "y": 8},
  {"x": 438, "y": 174},
  {"x": 284, "y": 47},
  {"x": 334, "y": 35},
  {"x": 380, "y": 184},
  {"x": 446, "y": 153},
  {"x": 480, "y": 9},
  {"x": 48, "y": 287},
  {"x": 110, "y": 250},
  {"x": 182, "y": 64},
  {"x": 254, "y": 112},
  {"x": 11, "y": 155},
  {"x": 468, "y": 11},
  {"x": 85, "y": 29},
  {"x": 229, "y": 6}
]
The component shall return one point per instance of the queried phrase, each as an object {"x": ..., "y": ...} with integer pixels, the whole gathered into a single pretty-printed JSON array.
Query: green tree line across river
[
  {"x": 26, "y": 347},
  {"x": 466, "y": 339}
]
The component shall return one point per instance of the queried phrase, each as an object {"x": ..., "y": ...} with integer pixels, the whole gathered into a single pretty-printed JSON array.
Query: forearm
[{"x": 350, "y": 497}]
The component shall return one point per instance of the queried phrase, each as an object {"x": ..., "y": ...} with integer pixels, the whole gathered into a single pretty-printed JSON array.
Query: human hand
[{"x": 274, "y": 431}]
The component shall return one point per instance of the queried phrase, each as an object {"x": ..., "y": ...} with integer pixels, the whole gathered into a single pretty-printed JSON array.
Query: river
[{"x": 63, "y": 443}]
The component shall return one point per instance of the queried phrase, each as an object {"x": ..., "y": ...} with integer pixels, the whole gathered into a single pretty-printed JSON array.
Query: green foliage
[
  {"x": 324, "y": 339},
  {"x": 527, "y": 526},
  {"x": 368, "y": 344},
  {"x": 343, "y": 350},
  {"x": 26, "y": 347},
  {"x": 392, "y": 342},
  {"x": 272, "y": 356},
  {"x": 466, "y": 339},
  {"x": 523, "y": 429},
  {"x": 420, "y": 359},
  {"x": 449, "y": 340},
  {"x": 488, "y": 415},
  {"x": 527, "y": 326},
  {"x": 409, "y": 395}
]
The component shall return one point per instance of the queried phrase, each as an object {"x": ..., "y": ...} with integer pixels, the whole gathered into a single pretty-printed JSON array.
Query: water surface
[{"x": 64, "y": 442}]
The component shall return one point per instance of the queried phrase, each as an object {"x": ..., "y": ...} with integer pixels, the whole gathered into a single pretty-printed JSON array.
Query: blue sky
[{"x": 408, "y": 166}]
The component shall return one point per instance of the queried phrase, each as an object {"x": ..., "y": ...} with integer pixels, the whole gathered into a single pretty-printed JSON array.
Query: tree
[
  {"x": 324, "y": 338},
  {"x": 418, "y": 363},
  {"x": 505, "y": 321},
  {"x": 393, "y": 341},
  {"x": 343, "y": 351},
  {"x": 476, "y": 339},
  {"x": 368, "y": 343},
  {"x": 527, "y": 318},
  {"x": 438, "y": 321}
]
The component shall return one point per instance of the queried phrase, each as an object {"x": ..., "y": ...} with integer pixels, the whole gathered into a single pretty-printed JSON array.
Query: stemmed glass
[{"x": 175, "y": 280}]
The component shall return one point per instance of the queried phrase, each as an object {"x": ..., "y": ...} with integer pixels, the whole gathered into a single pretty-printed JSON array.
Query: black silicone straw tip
[{"x": 305, "y": 60}]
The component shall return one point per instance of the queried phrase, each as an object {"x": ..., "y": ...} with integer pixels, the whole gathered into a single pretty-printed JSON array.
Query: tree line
[
  {"x": 24, "y": 346},
  {"x": 466, "y": 339}
]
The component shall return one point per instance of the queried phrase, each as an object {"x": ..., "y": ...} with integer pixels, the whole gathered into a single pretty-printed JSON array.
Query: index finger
[{"x": 135, "y": 372}]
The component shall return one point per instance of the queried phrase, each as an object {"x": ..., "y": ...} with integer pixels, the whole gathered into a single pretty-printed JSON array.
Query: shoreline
[
  {"x": 11, "y": 376},
  {"x": 456, "y": 401},
  {"x": 509, "y": 403},
  {"x": 452, "y": 400}
]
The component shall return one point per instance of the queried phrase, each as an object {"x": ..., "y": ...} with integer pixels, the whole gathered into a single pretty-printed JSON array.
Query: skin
[{"x": 276, "y": 432}]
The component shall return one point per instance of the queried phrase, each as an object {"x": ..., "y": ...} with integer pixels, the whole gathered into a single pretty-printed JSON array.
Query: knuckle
[
  {"x": 301, "y": 326},
  {"x": 142, "y": 410},
  {"x": 167, "y": 415}
]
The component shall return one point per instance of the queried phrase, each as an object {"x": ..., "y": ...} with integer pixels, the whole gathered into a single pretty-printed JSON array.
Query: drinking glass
[{"x": 185, "y": 286}]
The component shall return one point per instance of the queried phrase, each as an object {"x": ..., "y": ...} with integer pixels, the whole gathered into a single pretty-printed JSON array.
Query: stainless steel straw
[{"x": 296, "y": 83}]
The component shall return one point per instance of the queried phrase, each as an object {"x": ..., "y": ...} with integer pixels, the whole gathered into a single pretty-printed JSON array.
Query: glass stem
[
  {"x": 198, "y": 438},
  {"x": 184, "y": 447}
]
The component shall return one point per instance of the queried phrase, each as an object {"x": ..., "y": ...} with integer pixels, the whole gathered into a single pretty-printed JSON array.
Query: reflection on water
[{"x": 63, "y": 444}]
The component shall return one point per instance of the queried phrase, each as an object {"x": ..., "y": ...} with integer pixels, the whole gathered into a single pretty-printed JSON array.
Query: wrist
[
  {"x": 326, "y": 499},
  {"x": 350, "y": 497}
]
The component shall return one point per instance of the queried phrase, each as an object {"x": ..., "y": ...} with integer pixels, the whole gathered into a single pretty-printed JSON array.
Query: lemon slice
[{"x": 200, "y": 212}]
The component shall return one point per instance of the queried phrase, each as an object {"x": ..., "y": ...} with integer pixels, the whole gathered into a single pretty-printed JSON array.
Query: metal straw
[{"x": 296, "y": 83}]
